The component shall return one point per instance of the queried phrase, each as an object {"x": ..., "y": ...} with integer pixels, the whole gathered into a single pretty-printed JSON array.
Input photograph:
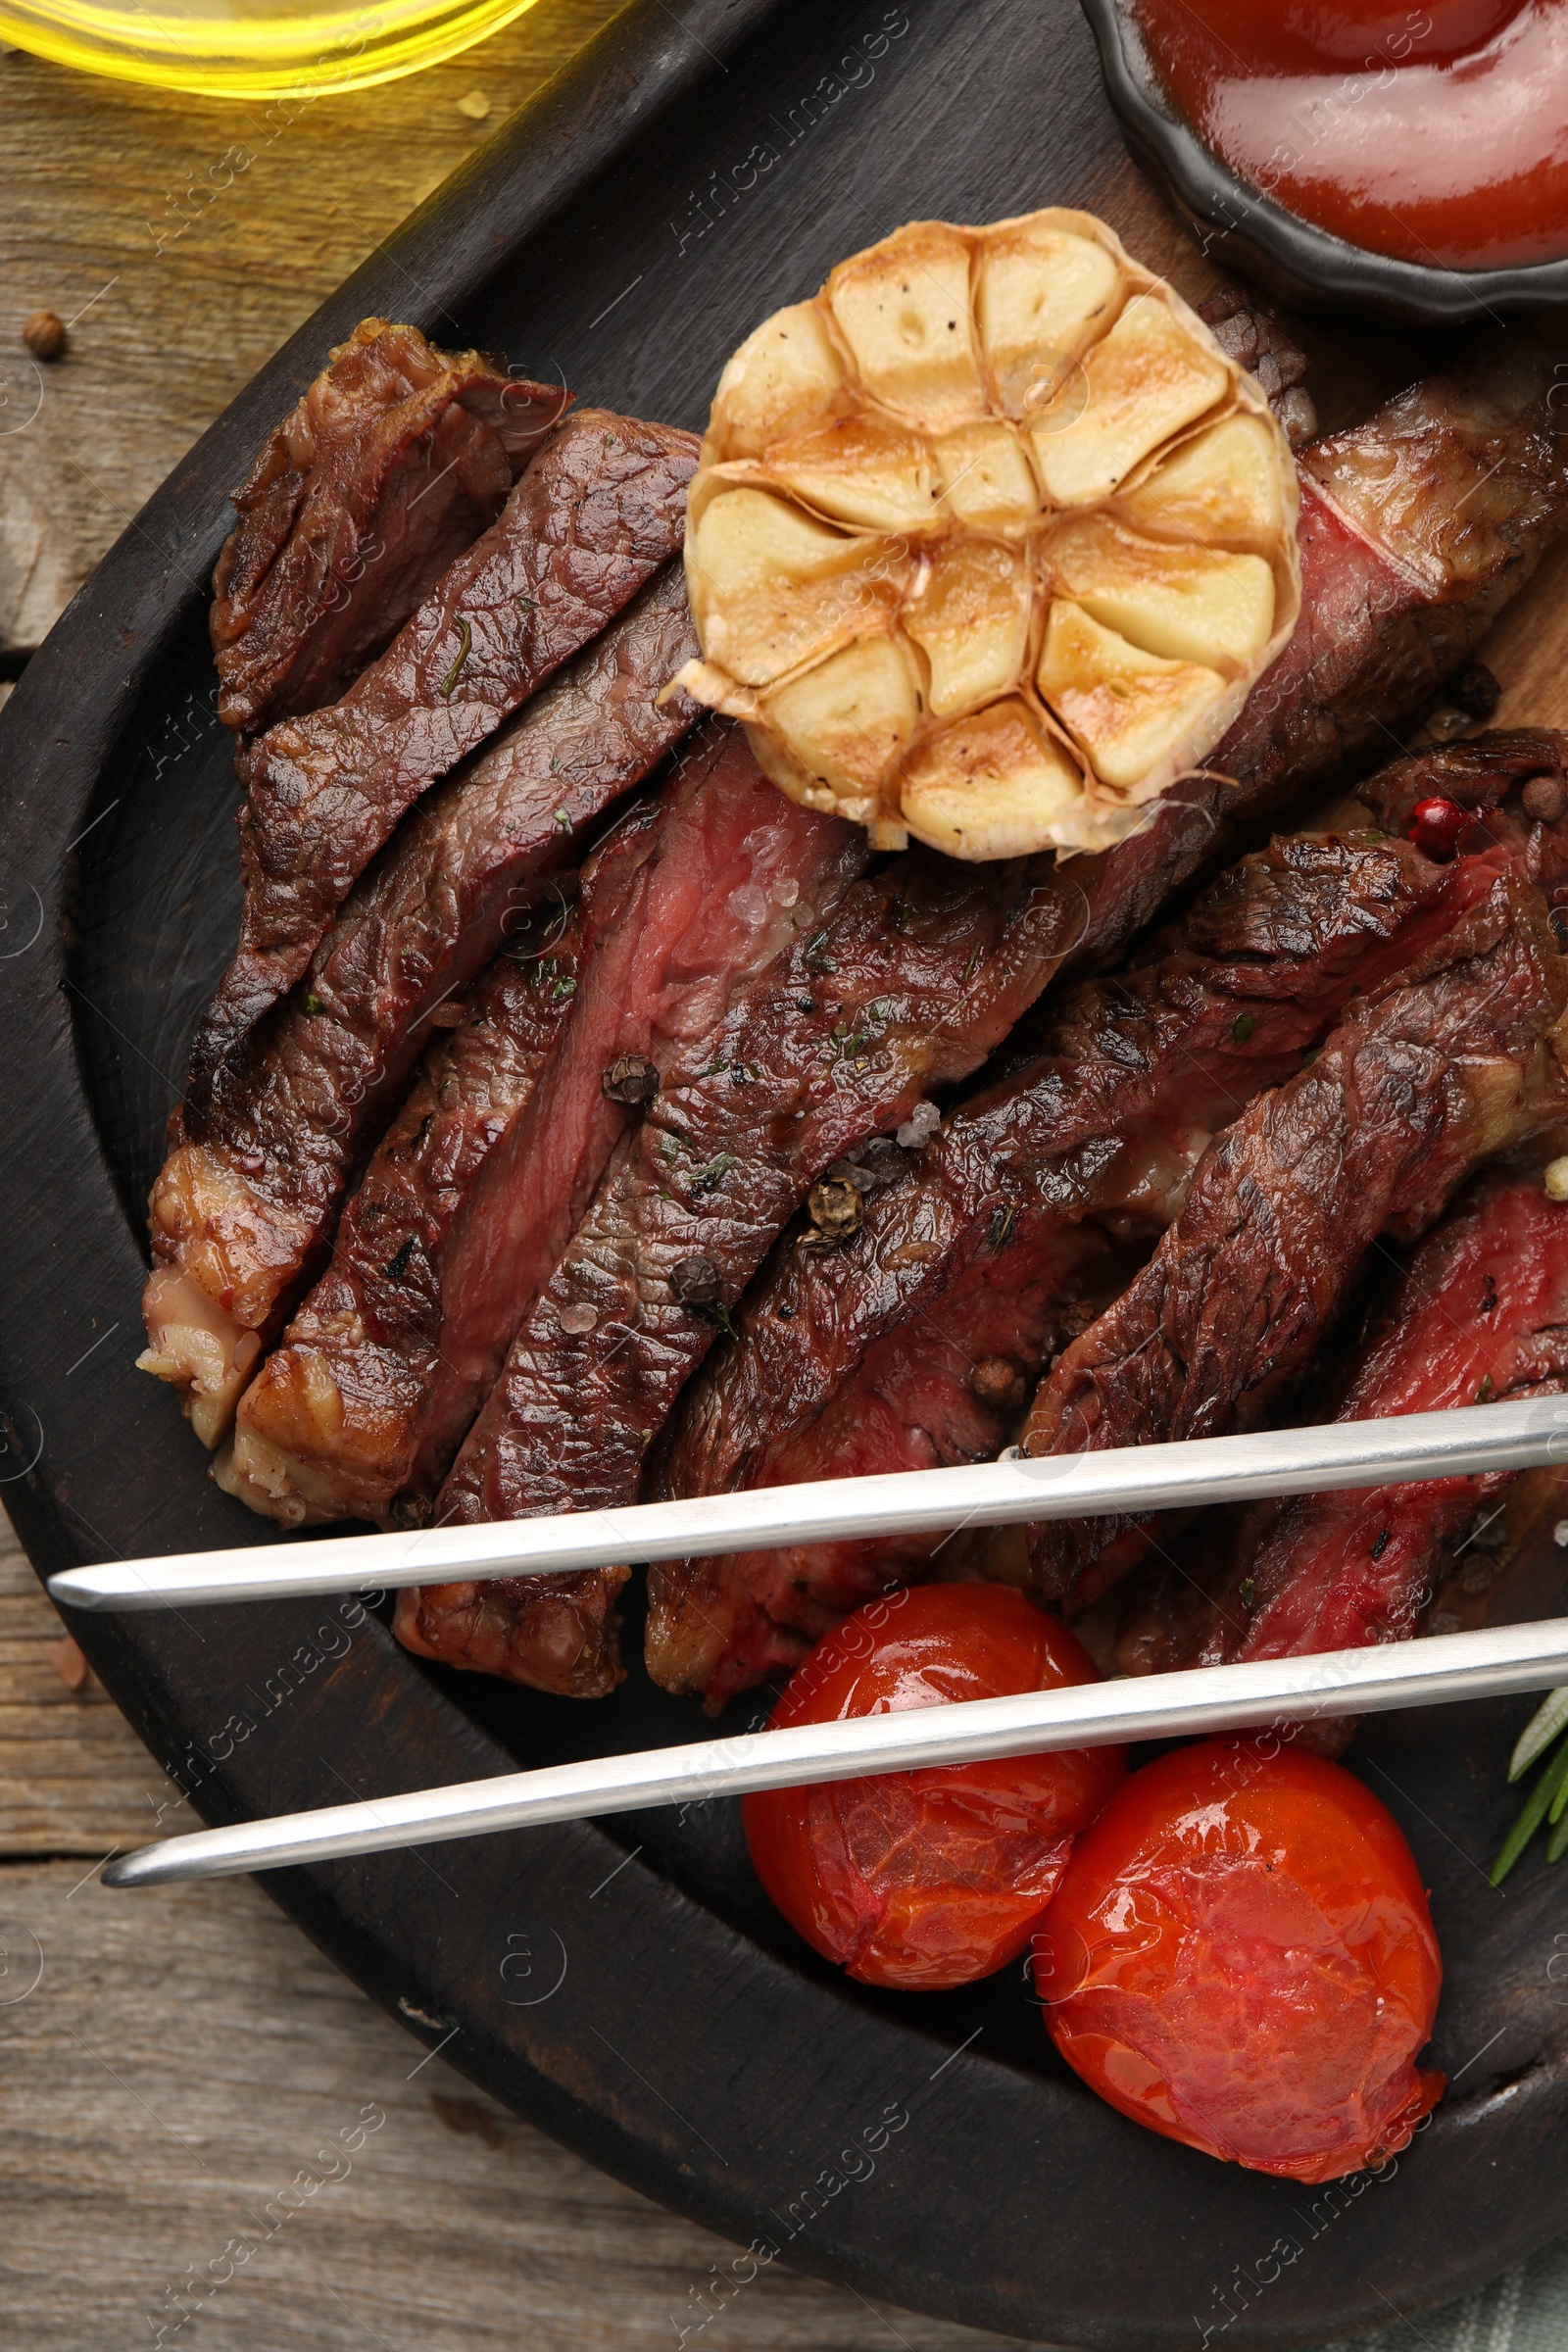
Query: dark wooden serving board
[{"x": 625, "y": 1986}]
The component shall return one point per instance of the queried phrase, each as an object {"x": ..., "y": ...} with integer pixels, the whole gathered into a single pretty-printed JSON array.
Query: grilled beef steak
[
  {"x": 1454, "y": 1059},
  {"x": 1477, "y": 773},
  {"x": 477, "y": 1186},
  {"x": 1416, "y": 528},
  {"x": 1481, "y": 1313},
  {"x": 918, "y": 972},
  {"x": 572, "y": 1414},
  {"x": 597, "y": 512},
  {"x": 317, "y": 1427},
  {"x": 915, "y": 1341},
  {"x": 241, "y": 1215},
  {"x": 394, "y": 460},
  {"x": 745, "y": 871},
  {"x": 1251, "y": 333}
]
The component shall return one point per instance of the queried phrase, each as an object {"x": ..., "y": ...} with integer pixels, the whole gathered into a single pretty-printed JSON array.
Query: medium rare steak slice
[
  {"x": 914, "y": 1343},
  {"x": 1416, "y": 528},
  {"x": 241, "y": 1217},
  {"x": 920, "y": 970},
  {"x": 1454, "y": 1059},
  {"x": 393, "y": 462},
  {"x": 1480, "y": 1312},
  {"x": 475, "y": 1190},
  {"x": 597, "y": 512},
  {"x": 316, "y": 1432}
]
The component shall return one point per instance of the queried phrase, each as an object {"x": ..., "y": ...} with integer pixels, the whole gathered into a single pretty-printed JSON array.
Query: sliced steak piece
[
  {"x": 597, "y": 512},
  {"x": 1250, "y": 333},
  {"x": 749, "y": 871},
  {"x": 393, "y": 463},
  {"x": 241, "y": 1215},
  {"x": 915, "y": 1341},
  {"x": 1480, "y": 1312},
  {"x": 1456, "y": 1058},
  {"x": 1416, "y": 528},
  {"x": 1475, "y": 773},
  {"x": 316, "y": 1433},
  {"x": 475, "y": 1190},
  {"x": 920, "y": 971}
]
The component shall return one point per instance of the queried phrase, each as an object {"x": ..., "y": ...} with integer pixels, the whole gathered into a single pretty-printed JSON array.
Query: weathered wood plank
[
  {"x": 183, "y": 2061},
  {"x": 74, "y": 1779},
  {"x": 187, "y": 237}
]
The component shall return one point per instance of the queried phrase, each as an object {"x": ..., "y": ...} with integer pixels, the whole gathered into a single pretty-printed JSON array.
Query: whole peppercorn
[
  {"x": 1546, "y": 800},
  {"x": 835, "y": 1208},
  {"x": 631, "y": 1078},
  {"x": 44, "y": 334},
  {"x": 1435, "y": 826},
  {"x": 1475, "y": 690},
  {"x": 696, "y": 1282}
]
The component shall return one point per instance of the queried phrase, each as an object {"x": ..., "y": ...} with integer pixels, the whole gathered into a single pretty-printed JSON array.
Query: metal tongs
[{"x": 1139, "y": 1480}]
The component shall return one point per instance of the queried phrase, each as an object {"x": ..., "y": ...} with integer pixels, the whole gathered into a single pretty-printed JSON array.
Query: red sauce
[{"x": 1437, "y": 135}]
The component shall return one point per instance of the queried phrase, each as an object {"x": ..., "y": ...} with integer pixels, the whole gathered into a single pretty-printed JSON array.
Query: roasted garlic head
[{"x": 990, "y": 541}]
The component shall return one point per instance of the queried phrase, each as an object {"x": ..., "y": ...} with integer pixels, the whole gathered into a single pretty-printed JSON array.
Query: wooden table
[{"x": 184, "y": 2056}]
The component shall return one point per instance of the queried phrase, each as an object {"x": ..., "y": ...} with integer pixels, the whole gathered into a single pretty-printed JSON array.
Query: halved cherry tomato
[
  {"x": 924, "y": 1879},
  {"x": 1240, "y": 1955}
]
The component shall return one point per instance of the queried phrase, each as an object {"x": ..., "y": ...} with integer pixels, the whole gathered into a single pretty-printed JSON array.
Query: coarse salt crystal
[
  {"x": 749, "y": 905},
  {"x": 919, "y": 1127},
  {"x": 1559, "y": 1534},
  {"x": 1555, "y": 1180},
  {"x": 578, "y": 1319},
  {"x": 786, "y": 889}
]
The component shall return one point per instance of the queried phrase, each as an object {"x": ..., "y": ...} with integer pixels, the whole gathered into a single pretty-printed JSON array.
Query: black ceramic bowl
[{"x": 1302, "y": 267}]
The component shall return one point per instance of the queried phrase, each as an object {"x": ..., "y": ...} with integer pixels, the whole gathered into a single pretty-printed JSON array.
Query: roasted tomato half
[
  {"x": 924, "y": 1879},
  {"x": 1240, "y": 1955}
]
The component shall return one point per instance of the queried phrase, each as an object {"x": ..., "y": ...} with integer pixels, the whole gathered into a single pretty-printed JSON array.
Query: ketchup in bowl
[{"x": 1438, "y": 134}]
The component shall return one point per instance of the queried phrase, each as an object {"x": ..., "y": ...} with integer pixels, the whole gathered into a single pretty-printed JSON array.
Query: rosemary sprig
[
  {"x": 456, "y": 671},
  {"x": 1549, "y": 1719},
  {"x": 1549, "y": 1797}
]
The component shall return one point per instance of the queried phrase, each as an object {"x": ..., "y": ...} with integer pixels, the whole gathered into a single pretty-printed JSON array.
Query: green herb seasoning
[
  {"x": 1001, "y": 1225},
  {"x": 1241, "y": 1027},
  {"x": 1542, "y": 1737},
  {"x": 456, "y": 671}
]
